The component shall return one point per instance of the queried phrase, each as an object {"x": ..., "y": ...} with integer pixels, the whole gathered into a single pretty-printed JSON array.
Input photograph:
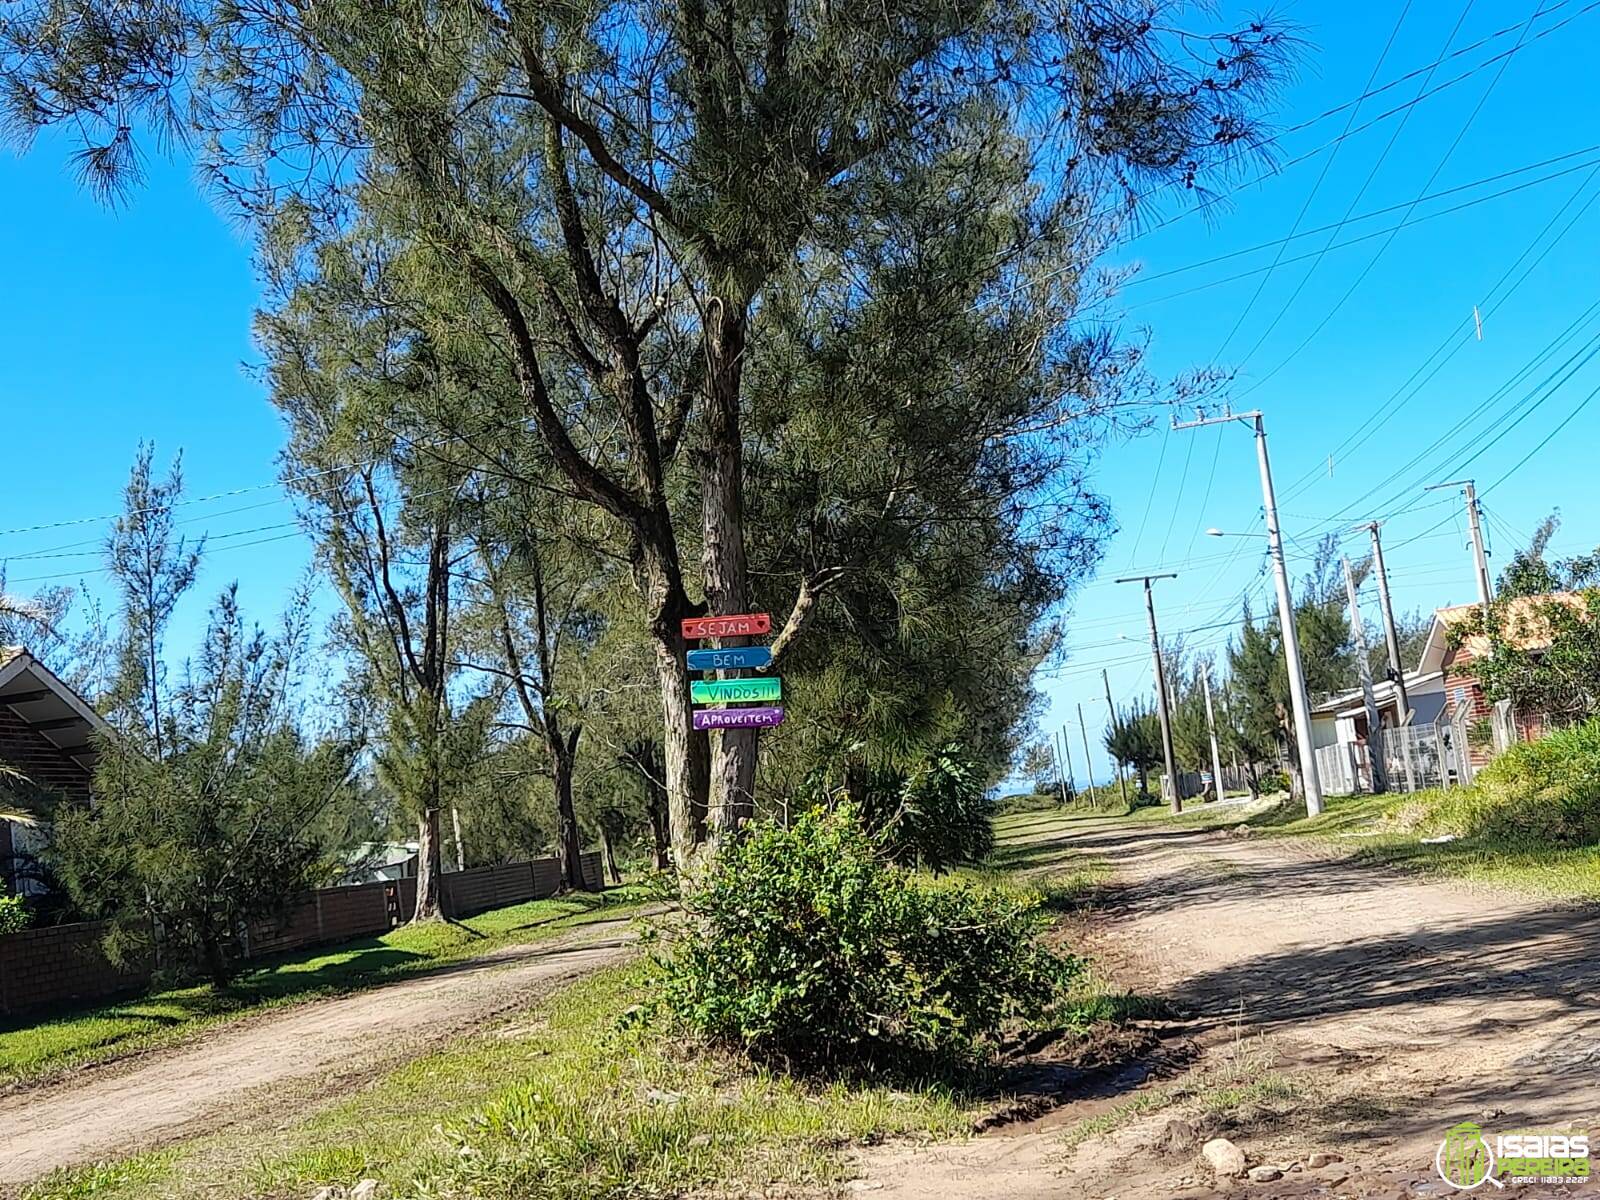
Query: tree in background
[
  {"x": 683, "y": 223},
  {"x": 1134, "y": 741},
  {"x": 1259, "y": 678},
  {"x": 1039, "y": 765},
  {"x": 1529, "y": 573},
  {"x": 220, "y": 828},
  {"x": 153, "y": 566}
]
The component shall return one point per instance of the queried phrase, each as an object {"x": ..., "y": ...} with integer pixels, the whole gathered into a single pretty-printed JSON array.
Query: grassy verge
[
  {"x": 575, "y": 1099},
  {"x": 1390, "y": 830},
  {"x": 43, "y": 1049},
  {"x": 562, "y": 1102}
]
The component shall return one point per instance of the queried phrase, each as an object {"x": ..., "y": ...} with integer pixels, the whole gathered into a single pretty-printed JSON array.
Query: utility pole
[
  {"x": 1111, "y": 708},
  {"x": 1061, "y": 776},
  {"x": 1397, "y": 670},
  {"x": 1161, "y": 685},
  {"x": 1088, "y": 762},
  {"x": 1291, "y": 638},
  {"x": 1364, "y": 668},
  {"x": 1066, "y": 749},
  {"x": 1480, "y": 560},
  {"x": 1211, "y": 726}
]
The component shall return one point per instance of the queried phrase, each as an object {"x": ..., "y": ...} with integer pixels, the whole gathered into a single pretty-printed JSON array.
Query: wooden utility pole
[
  {"x": 1364, "y": 669},
  {"x": 1480, "y": 560},
  {"x": 1167, "y": 755},
  {"x": 1299, "y": 701},
  {"x": 1211, "y": 727},
  {"x": 1066, "y": 750},
  {"x": 1122, "y": 782},
  {"x": 1088, "y": 765},
  {"x": 1397, "y": 669}
]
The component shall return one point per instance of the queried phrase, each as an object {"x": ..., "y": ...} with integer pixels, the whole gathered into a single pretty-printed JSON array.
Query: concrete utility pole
[
  {"x": 1061, "y": 776},
  {"x": 1397, "y": 669},
  {"x": 1480, "y": 560},
  {"x": 1291, "y": 638},
  {"x": 1211, "y": 726},
  {"x": 1122, "y": 782},
  {"x": 1167, "y": 755},
  {"x": 1374, "y": 721},
  {"x": 1088, "y": 762},
  {"x": 1066, "y": 749}
]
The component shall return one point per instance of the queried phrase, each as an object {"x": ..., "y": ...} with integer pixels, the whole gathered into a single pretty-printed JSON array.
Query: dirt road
[
  {"x": 1390, "y": 1006},
  {"x": 231, "y": 1072}
]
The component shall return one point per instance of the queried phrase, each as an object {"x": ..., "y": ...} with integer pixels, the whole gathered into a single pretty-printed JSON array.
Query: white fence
[{"x": 1414, "y": 757}]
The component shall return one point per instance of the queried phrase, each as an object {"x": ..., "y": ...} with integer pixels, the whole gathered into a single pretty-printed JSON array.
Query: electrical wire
[
  {"x": 1335, "y": 226},
  {"x": 1461, "y": 335}
]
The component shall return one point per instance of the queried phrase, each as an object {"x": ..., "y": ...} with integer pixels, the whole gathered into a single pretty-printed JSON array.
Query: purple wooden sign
[{"x": 737, "y": 718}]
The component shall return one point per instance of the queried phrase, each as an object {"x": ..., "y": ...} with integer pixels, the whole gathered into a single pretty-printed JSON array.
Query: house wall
[{"x": 44, "y": 766}]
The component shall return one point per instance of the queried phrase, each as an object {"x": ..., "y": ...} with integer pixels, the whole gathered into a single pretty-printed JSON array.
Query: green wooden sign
[{"x": 718, "y": 691}]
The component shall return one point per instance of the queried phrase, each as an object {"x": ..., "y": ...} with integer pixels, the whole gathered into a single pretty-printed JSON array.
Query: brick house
[
  {"x": 46, "y": 737},
  {"x": 1465, "y": 702}
]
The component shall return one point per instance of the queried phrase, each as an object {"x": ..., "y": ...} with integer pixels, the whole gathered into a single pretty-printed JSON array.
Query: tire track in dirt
[
  {"x": 227, "y": 1074},
  {"x": 1400, "y": 1005}
]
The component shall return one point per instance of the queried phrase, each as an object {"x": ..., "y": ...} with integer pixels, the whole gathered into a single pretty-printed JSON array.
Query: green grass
[
  {"x": 1389, "y": 829},
  {"x": 43, "y": 1049},
  {"x": 561, "y": 1102}
]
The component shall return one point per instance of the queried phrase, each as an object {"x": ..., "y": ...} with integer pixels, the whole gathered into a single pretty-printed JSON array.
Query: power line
[
  {"x": 1367, "y": 237},
  {"x": 1372, "y": 174},
  {"x": 1376, "y": 212},
  {"x": 1327, "y": 165},
  {"x": 1461, "y": 335},
  {"x": 1389, "y": 241},
  {"x": 1383, "y": 116}
]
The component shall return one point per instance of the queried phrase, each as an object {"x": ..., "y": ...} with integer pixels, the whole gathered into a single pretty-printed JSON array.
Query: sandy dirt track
[
  {"x": 1399, "y": 1005},
  {"x": 230, "y": 1073}
]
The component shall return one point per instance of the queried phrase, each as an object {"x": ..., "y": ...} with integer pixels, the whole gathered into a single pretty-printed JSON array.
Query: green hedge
[{"x": 1545, "y": 792}]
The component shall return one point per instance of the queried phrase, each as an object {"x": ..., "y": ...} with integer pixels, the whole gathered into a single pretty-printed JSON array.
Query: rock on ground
[{"x": 1223, "y": 1157}]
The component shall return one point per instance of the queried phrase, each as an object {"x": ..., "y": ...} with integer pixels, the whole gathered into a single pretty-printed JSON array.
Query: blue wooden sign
[{"x": 723, "y": 660}]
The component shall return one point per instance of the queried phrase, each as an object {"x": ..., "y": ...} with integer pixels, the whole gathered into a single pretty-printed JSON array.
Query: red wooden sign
[{"x": 736, "y": 625}]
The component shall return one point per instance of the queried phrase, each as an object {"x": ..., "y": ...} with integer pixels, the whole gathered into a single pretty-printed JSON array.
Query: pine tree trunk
[
  {"x": 655, "y": 805},
  {"x": 428, "y": 867},
  {"x": 216, "y": 960},
  {"x": 608, "y": 857},
  {"x": 733, "y": 761},
  {"x": 571, "y": 839},
  {"x": 685, "y": 759}
]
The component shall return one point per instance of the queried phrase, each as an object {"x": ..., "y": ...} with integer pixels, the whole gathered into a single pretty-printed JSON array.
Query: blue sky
[{"x": 135, "y": 323}]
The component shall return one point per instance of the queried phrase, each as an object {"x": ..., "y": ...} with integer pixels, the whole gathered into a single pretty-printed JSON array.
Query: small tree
[
  {"x": 215, "y": 832},
  {"x": 1134, "y": 740}
]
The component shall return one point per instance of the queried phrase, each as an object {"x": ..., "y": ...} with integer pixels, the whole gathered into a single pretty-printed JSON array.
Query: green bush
[
  {"x": 804, "y": 947},
  {"x": 933, "y": 815},
  {"x": 1545, "y": 792},
  {"x": 14, "y": 916},
  {"x": 1273, "y": 781}
]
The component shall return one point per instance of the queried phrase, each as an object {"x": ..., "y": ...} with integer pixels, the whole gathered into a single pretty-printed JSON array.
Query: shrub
[
  {"x": 14, "y": 916},
  {"x": 1273, "y": 781},
  {"x": 933, "y": 815},
  {"x": 1546, "y": 791},
  {"x": 803, "y": 946}
]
